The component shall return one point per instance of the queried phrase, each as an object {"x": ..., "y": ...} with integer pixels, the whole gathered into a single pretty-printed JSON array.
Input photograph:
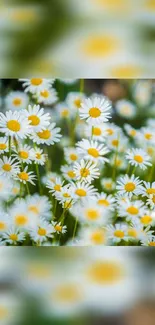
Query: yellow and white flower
[
  {"x": 74, "y": 101},
  {"x": 86, "y": 171},
  {"x": 38, "y": 206},
  {"x": 41, "y": 232},
  {"x": 117, "y": 233},
  {"x": 131, "y": 209},
  {"x": 126, "y": 109},
  {"x": 98, "y": 132},
  {"x": 24, "y": 153},
  {"x": 95, "y": 111},
  {"x": 65, "y": 195},
  {"x": 138, "y": 158},
  {"x": 9, "y": 167},
  {"x": 82, "y": 190},
  {"x": 132, "y": 132},
  {"x": 37, "y": 118},
  {"x": 16, "y": 100},
  {"x": 108, "y": 184},
  {"x": 3, "y": 144},
  {"x": 68, "y": 172},
  {"x": 14, "y": 124},
  {"x": 4, "y": 222},
  {"x": 71, "y": 155},
  {"x": 38, "y": 156},
  {"x": 148, "y": 218},
  {"x": 63, "y": 111},
  {"x": 88, "y": 212},
  {"x": 92, "y": 150},
  {"x": 58, "y": 227},
  {"x": 47, "y": 96},
  {"x": 55, "y": 186},
  {"x": 106, "y": 201},
  {"x": 149, "y": 241},
  {"x": 25, "y": 177},
  {"x": 13, "y": 236},
  {"x": 93, "y": 236},
  {"x": 35, "y": 85},
  {"x": 129, "y": 186},
  {"x": 147, "y": 189},
  {"x": 48, "y": 136},
  {"x": 5, "y": 188}
]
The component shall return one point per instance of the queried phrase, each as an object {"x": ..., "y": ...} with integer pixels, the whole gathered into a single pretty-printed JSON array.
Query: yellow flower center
[
  {"x": 93, "y": 152},
  {"x": 67, "y": 293},
  {"x": 44, "y": 93},
  {"x": 130, "y": 187},
  {"x": 66, "y": 195},
  {"x": 119, "y": 233},
  {"x": 98, "y": 237},
  {"x": 3, "y": 146},
  {"x": 103, "y": 202},
  {"x": 3, "y": 312},
  {"x": 45, "y": 134},
  {"x": 23, "y": 176},
  {"x": 6, "y": 167},
  {"x": 23, "y": 154},
  {"x": 36, "y": 81},
  {"x": 97, "y": 131},
  {"x": 105, "y": 272},
  {"x": 42, "y": 232},
  {"x": 132, "y": 233},
  {"x": 17, "y": 101},
  {"x": 150, "y": 191},
  {"x": 2, "y": 226},
  {"x": 110, "y": 131},
  {"x": 152, "y": 243},
  {"x": 129, "y": 71},
  {"x": 146, "y": 220},
  {"x": 71, "y": 174},
  {"x": 138, "y": 158},
  {"x": 13, "y": 125},
  {"x": 13, "y": 237},
  {"x": 115, "y": 142},
  {"x": 68, "y": 204},
  {"x": 57, "y": 187},
  {"x": 108, "y": 186},
  {"x": 65, "y": 113},
  {"x": 100, "y": 46},
  {"x": 38, "y": 155},
  {"x": 94, "y": 112},
  {"x": 133, "y": 133},
  {"x": 33, "y": 209},
  {"x": 80, "y": 192},
  {"x": 73, "y": 157},
  {"x": 153, "y": 199},
  {"x": 34, "y": 119},
  {"x": 150, "y": 4},
  {"x": 77, "y": 102},
  {"x": 132, "y": 210},
  {"x": 58, "y": 228},
  {"x": 148, "y": 136},
  {"x": 84, "y": 172},
  {"x": 92, "y": 214},
  {"x": 150, "y": 151},
  {"x": 21, "y": 220}
]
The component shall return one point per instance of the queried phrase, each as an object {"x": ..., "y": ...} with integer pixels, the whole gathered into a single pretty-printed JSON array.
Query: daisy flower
[
  {"x": 39, "y": 206},
  {"x": 55, "y": 186},
  {"x": 47, "y": 96},
  {"x": 24, "y": 153},
  {"x": 126, "y": 109},
  {"x": 93, "y": 236},
  {"x": 95, "y": 111},
  {"x": 68, "y": 172},
  {"x": 13, "y": 236},
  {"x": 147, "y": 189},
  {"x": 118, "y": 142},
  {"x": 14, "y": 124},
  {"x": 82, "y": 190},
  {"x": 106, "y": 201},
  {"x": 117, "y": 233},
  {"x": 148, "y": 219},
  {"x": 71, "y": 155},
  {"x": 63, "y": 111},
  {"x": 16, "y": 100},
  {"x": 98, "y": 132},
  {"x": 92, "y": 150},
  {"x": 151, "y": 201},
  {"x": 37, "y": 118},
  {"x": 38, "y": 156},
  {"x": 65, "y": 194},
  {"x": 88, "y": 212},
  {"x": 129, "y": 186},
  {"x": 108, "y": 184},
  {"x": 146, "y": 136},
  {"x": 35, "y": 85},
  {"x": 138, "y": 158},
  {"x": 5, "y": 188},
  {"x": 19, "y": 215},
  {"x": 9, "y": 167},
  {"x": 25, "y": 177},
  {"x": 118, "y": 162},
  {"x": 58, "y": 227},
  {"x": 74, "y": 100},
  {"x": 86, "y": 171},
  {"x": 4, "y": 222},
  {"x": 131, "y": 131},
  {"x": 134, "y": 231},
  {"x": 49, "y": 177},
  {"x": 48, "y": 136},
  {"x": 131, "y": 210},
  {"x": 41, "y": 232},
  {"x": 149, "y": 241},
  {"x": 3, "y": 144},
  {"x": 112, "y": 130}
]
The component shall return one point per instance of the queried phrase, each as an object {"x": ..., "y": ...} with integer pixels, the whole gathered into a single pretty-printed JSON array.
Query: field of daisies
[{"x": 76, "y": 168}]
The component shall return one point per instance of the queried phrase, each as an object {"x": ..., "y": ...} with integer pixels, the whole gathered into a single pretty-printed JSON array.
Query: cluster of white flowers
[{"x": 102, "y": 191}]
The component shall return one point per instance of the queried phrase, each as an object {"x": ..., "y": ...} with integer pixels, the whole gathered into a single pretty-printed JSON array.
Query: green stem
[
  {"x": 75, "y": 227},
  {"x": 128, "y": 169},
  {"x": 151, "y": 173},
  {"x": 55, "y": 207},
  {"x": 38, "y": 176},
  {"x": 27, "y": 187}
]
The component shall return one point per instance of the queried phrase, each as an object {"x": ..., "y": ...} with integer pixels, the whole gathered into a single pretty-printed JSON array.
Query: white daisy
[
  {"x": 65, "y": 194},
  {"x": 55, "y": 186},
  {"x": 48, "y": 136},
  {"x": 117, "y": 233},
  {"x": 74, "y": 100},
  {"x": 86, "y": 171},
  {"x": 98, "y": 132},
  {"x": 151, "y": 201},
  {"x": 39, "y": 206},
  {"x": 135, "y": 231},
  {"x": 146, "y": 136},
  {"x": 5, "y": 188},
  {"x": 93, "y": 236},
  {"x": 20, "y": 216},
  {"x": 3, "y": 144},
  {"x": 126, "y": 109},
  {"x": 132, "y": 132},
  {"x": 148, "y": 219},
  {"x": 118, "y": 142},
  {"x": 58, "y": 227},
  {"x": 24, "y": 153},
  {"x": 95, "y": 111},
  {"x": 68, "y": 172},
  {"x": 38, "y": 156},
  {"x": 16, "y": 100},
  {"x": 51, "y": 177},
  {"x": 138, "y": 158},
  {"x": 129, "y": 186},
  {"x": 14, "y": 124},
  {"x": 149, "y": 241},
  {"x": 9, "y": 167},
  {"x": 25, "y": 177},
  {"x": 71, "y": 155},
  {"x": 106, "y": 201},
  {"x": 92, "y": 150},
  {"x": 63, "y": 111},
  {"x": 88, "y": 212},
  {"x": 4, "y": 222},
  {"x": 147, "y": 189},
  {"x": 37, "y": 118},
  {"x": 47, "y": 96},
  {"x": 13, "y": 236},
  {"x": 108, "y": 184},
  {"x": 118, "y": 162},
  {"x": 41, "y": 232},
  {"x": 131, "y": 210},
  {"x": 35, "y": 85},
  {"x": 82, "y": 190},
  {"x": 112, "y": 130}
]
